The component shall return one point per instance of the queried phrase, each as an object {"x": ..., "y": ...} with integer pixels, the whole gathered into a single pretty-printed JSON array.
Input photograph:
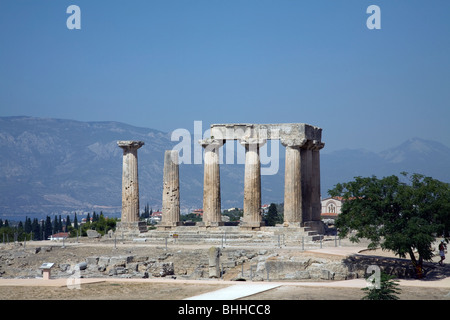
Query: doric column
[
  {"x": 306, "y": 181},
  {"x": 130, "y": 183},
  {"x": 171, "y": 190},
  {"x": 292, "y": 182},
  {"x": 252, "y": 184},
  {"x": 316, "y": 206},
  {"x": 212, "y": 215}
]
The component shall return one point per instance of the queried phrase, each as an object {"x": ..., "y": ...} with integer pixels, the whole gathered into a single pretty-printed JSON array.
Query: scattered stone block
[
  {"x": 92, "y": 234},
  {"x": 214, "y": 262}
]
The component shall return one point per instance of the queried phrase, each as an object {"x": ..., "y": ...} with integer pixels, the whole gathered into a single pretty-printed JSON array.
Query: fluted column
[
  {"x": 130, "y": 183},
  {"x": 292, "y": 183},
  {"x": 212, "y": 215},
  {"x": 306, "y": 181},
  {"x": 316, "y": 207},
  {"x": 171, "y": 190},
  {"x": 252, "y": 184}
]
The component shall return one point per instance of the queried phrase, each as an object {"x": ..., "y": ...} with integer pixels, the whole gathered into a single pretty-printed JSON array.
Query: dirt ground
[
  {"x": 326, "y": 293},
  {"x": 160, "y": 291},
  {"x": 107, "y": 291},
  {"x": 126, "y": 290}
]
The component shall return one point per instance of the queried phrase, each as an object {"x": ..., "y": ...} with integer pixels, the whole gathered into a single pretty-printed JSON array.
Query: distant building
[
  {"x": 331, "y": 207},
  {"x": 198, "y": 212},
  {"x": 233, "y": 209},
  {"x": 156, "y": 216},
  {"x": 59, "y": 236}
]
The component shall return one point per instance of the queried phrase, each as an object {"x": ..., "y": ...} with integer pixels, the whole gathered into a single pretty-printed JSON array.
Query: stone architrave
[
  {"x": 292, "y": 182},
  {"x": 130, "y": 187},
  {"x": 171, "y": 190},
  {"x": 252, "y": 184},
  {"x": 302, "y": 176},
  {"x": 212, "y": 216}
]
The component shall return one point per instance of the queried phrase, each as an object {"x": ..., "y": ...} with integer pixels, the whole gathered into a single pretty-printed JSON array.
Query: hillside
[{"x": 57, "y": 166}]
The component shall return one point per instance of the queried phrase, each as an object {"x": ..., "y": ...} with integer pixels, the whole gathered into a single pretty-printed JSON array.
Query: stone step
[{"x": 186, "y": 237}]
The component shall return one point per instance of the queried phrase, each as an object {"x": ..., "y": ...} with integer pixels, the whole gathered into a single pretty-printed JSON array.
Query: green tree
[
  {"x": 75, "y": 222},
  {"x": 146, "y": 213},
  {"x": 190, "y": 217},
  {"x": 387, "y": 290},
  {"x": 27, "y": 226},
  {"x": 48, "y": 228},
  {"x": 36, "y": 229},
  {"x": 398, "y": 216},
  {"x": 272, "y": 217},
  {"x": 234, "y": 215},
  {"x": 55, "y": 225},
  {"x": 68, "y": 224}
]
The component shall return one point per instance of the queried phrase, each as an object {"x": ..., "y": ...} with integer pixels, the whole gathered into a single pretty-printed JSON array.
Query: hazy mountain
[
  {"x": 416, "y": 155},
  {"x": 57, "y": 166},
  {"x": 50, "y": 165}
]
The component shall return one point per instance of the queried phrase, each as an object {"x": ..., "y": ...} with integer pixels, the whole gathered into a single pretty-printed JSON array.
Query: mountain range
[{"x": 56, "y": 166}]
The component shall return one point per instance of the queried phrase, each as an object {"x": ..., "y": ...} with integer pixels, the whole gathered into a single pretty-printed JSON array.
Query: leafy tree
[
  {"x": 234, "y": 215},
  {"x": 398, "y": 216},
  {"x": 387, "y": 290},
  {"x": 7, "y": 233},
  {"x": 191, "y": 217}
]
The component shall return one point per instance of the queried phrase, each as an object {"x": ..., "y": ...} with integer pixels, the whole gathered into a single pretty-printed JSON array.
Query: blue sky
[{"x": 164, "y": 64}]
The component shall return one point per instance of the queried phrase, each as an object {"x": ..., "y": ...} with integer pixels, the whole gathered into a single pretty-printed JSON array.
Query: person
[{"x": 442, "y": 248}]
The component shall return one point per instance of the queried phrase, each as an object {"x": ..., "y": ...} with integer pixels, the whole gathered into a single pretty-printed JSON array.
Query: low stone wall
[{"x": 190, "y": 263}]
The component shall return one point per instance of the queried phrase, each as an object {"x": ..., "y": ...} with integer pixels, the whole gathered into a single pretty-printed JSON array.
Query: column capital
[
  {"x": 212, "y": 143},
  {"x": 252, "y": 142},
  {"x": 295, "y": 142},
  {"x": 314, "y": 145},
  {"x": 130, "y": 144},
  {"x": 317, "y": 145}
]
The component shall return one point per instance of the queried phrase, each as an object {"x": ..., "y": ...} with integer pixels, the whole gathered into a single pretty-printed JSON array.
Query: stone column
[
  {"x": 311, "y": 195},
  {"x": 212, "y": 215},
  {"x": 171, "y": 191},
  {"x": 130, "y": 187},
  {"x": 252, "y": 184},
  {"x": 306, "y": 180},
  {"x": 292, "y": 183},
  {"x": 316, "y": 206}
]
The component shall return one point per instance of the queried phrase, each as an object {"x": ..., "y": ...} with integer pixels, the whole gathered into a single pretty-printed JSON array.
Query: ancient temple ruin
[{"x": 302, "y": 206}]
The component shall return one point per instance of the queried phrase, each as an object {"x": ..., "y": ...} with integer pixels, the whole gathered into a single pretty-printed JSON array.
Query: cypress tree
[
  {"x": 36, "y": 229},
  {"x": 68, "y": 223},
  {"x": 27, "y": 227},
  {"x": 48, "y": 228},
  {"x": 75, "y": 221}
]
